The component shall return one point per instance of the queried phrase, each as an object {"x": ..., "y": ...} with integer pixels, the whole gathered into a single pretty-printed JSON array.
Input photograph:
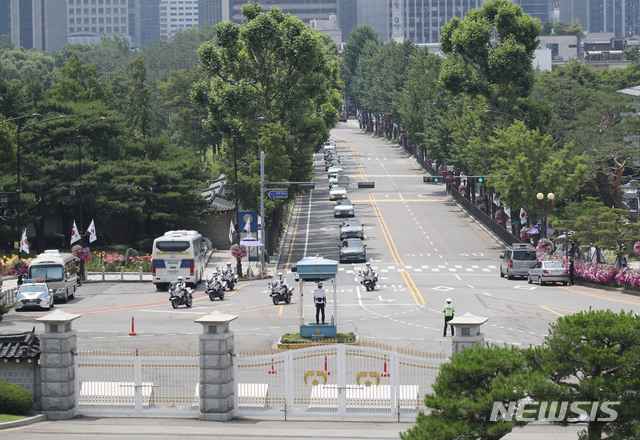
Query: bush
[{"x": 14, "y": 399}]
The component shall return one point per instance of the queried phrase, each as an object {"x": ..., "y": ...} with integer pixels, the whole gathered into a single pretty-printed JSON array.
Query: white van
[
  {"x": 59, "y": 270},
  {"x": 178, "y": 253}
]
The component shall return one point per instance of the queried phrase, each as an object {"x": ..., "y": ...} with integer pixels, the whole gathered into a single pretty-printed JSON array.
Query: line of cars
[
  {"x": 351, "y": 229},
  {"x": 521, "y": 260}
]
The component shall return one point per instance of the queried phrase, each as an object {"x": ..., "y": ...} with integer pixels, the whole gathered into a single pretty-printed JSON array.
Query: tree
[
  {"x": 465, "y": 391},
  {"x": 138, "y": 107},
  {"x": 600, "y": 226},
  {"x": 632, "y": 53},
  {"x": 272, "y": 66},
  {"x": 533, "y": 164},
  {"x": 501, "y": 70},
  {"x": 359, "y": 37},
  {"x": 592, "y": 356}
]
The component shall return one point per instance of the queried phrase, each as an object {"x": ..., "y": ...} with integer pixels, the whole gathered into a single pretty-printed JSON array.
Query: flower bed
[
  {"x": 606, "y": 274},
  {"x": 112, "y": 262}
]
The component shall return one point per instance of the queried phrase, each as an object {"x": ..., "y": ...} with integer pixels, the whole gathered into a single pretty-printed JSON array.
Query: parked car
[
  {"x": 34, "y": 293},
  {"x": 548, "y": 272},
  {"x": 338, "y": 192},
  {"x": 331, "y": 163},
  {"x": 343, "y": 208},
  {"x": 353, "y": 249},
  {"x": 351, "y": 229},
  {"x": 517, "y": 260}
]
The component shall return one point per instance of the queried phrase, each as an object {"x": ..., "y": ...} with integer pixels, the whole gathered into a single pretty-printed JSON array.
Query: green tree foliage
[
  {"x": 600, "y": 226},
  {"x": 76, "y": 82},
  {"x": 500, "y": 68},
  {"x": 359, "y": 37},
  {"x": 138, "y": 106},
  {"x": 272, "y": 66},
  {"x": 562, "y": 28},
  {"x": 533, "y": 164},
  {"x": 632, "y": 53},
  {"x": 465, "y": 391},
  {"x": 593, "y": 357}
]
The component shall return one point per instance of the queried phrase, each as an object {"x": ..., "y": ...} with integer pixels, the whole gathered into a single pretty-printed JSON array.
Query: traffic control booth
[{"x": 310, "y": 271}]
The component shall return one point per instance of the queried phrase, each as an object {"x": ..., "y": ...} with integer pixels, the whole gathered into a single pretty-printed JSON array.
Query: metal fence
[
  {"x": 335, "y": 381},
  {"x": 484, "y": 218},
  {"x": 137, "y": 382}
]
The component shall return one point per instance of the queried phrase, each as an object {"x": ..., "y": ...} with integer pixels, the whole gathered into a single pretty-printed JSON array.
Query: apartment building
[{"x": 177, "y": 15}]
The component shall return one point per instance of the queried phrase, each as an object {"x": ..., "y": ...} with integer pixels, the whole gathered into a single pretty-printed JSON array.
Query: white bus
[
  {"x": 178, "y": 253},
  {"x": 59, "y": 270}
]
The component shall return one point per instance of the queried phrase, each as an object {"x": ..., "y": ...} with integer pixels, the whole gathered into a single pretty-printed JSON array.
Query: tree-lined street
[{"x": 423, "y": 246}]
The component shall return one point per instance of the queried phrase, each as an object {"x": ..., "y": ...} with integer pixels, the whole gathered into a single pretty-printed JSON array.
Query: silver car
[
  {"x": 343, "y": 208},
  {"x": 351, "y": 229},
  {"x": 548, "y": 272},
  {"x": 34, "y": 293},
  {"x": 337, "y": 193}
]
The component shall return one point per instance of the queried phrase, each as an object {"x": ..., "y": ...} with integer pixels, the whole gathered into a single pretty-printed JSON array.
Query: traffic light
[
  {"x": 431, "y": 179},
  {"x": 480, "y": 179}
]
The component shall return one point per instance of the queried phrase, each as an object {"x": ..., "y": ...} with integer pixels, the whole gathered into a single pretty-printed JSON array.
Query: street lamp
[
  {"x": 234, "y": 132},
  {"x": 22, "y": 128},
  {"x": 546, "y": 208},
  {"x": 79, "y": 136}
]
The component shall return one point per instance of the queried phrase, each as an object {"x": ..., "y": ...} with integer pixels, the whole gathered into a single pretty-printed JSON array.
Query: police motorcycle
[
  {"x": 180, "y": 294},
  {"x": 280, "y": 291},
  {"x": 213, "y": 286},
  {"x": 229, "y": 279},
  {"x": 368, "y": 278}
]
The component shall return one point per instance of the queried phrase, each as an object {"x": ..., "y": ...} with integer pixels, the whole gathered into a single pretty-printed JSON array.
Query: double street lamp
[
  {"x": 546, "y": 207},
  {"x": 22, "y": 128}
]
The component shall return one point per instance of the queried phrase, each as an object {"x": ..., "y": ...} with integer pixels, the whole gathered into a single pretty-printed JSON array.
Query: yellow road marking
[
  {"x": 381, "y": 201},
  {"x": 293, "y": 238},
  {"x": 636, "y": 303},
  {"x": 549, "y": 309},
  {"x": 406, "y": 276},
  {"x": 281, "y": 308}
]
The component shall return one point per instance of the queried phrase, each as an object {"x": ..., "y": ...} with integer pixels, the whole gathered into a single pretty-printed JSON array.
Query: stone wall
[
  {"x": 216, "y": 228},
  {"x": 25, "y": 373}
]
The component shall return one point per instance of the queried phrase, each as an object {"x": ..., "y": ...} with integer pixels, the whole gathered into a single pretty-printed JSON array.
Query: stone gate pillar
[
  {"x": 216, "y": 388},
  {"x": 467, "y": 328},
  {"x": 57, "y": 366}
]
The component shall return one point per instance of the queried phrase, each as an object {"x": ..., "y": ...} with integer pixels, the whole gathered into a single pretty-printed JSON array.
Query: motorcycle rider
[
  {"x": 181, "y": 284},
  {"x": 368, "y": 271},
  {"x": 282, "y": 283}
]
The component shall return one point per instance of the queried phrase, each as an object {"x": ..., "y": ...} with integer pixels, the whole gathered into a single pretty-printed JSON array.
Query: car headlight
[
  {"x": 43, "y": 295},
  {"x": 59, "y": 290},
  {"x": 20, "y": 296}
]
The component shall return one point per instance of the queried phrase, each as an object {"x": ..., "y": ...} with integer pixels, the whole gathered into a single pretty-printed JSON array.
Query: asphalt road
[{"x": 423, "y": 246}]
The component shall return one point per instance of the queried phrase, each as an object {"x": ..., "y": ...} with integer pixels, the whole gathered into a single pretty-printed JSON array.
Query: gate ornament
[
  {"x": 320, "y": 373},
  {"x": 370, "y": 374}
]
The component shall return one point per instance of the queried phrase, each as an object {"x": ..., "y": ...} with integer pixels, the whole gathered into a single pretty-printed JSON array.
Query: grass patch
[
  {"x": 10, "y": 418},
  {"x": 294, "y": 338}
]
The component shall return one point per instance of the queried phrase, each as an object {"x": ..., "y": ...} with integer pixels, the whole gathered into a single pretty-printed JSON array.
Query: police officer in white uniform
[{"x": 320, "y": 298}]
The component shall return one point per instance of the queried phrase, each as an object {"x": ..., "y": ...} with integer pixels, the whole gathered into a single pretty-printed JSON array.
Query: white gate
[
  {"x": 334, "y": 380},
  {"x": 132, "y": 382}
]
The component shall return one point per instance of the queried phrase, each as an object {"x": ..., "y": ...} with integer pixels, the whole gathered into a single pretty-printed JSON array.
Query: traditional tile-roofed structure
[{"x": 20, "y": 345}]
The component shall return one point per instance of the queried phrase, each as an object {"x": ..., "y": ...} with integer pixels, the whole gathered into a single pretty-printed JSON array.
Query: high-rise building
[
  {"x": 177, "y": 15},
  {"x": 89, "y": 21},
  {"x": 209, "y": 12},
  {"x": 145, "y": 22},
  {"x": 597, "y": 16},
  {"x": 34, "y": 24},
  {"x": 539, "y": 9}
]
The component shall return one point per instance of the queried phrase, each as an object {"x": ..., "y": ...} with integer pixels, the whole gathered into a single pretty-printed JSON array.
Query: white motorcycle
[
  {"x": 229, "y": 279},
  {"x": 214, "y": 287},
  {"x": 180, "y": 294},
  {"x": 368, "y": 280},
  {"x": 280, "y": 292}
]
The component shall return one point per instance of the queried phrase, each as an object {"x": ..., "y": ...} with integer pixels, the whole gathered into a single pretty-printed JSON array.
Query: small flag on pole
[
  {"x": 523, "y": 216},
  {"x": 92, "y": 232},
  {"x": 24, "y": 243},
  {"x": 247, "y": 227},
  {"x": 231, "y": 232},
  {"x": 75, "y": 235}
]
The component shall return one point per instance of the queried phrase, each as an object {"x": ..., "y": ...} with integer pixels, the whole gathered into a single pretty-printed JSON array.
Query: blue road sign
[{"x": 278, "y": 194}]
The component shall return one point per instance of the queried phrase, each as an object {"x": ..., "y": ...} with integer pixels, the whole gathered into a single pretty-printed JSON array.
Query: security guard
[
  {"x": 320, "y": 298},
  {"x": 448, "y": 316}
]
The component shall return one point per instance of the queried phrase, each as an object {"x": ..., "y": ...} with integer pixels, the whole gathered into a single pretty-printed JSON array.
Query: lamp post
[
  {"x": 22, "y": 128},
  {"x": 545, "y": 206},
  {"x": 79, "y": 137},
  {"x": 234, "y": 132}
]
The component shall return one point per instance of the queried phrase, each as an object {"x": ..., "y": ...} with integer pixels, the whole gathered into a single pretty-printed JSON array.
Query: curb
[{"x": 23, "y": 422}]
